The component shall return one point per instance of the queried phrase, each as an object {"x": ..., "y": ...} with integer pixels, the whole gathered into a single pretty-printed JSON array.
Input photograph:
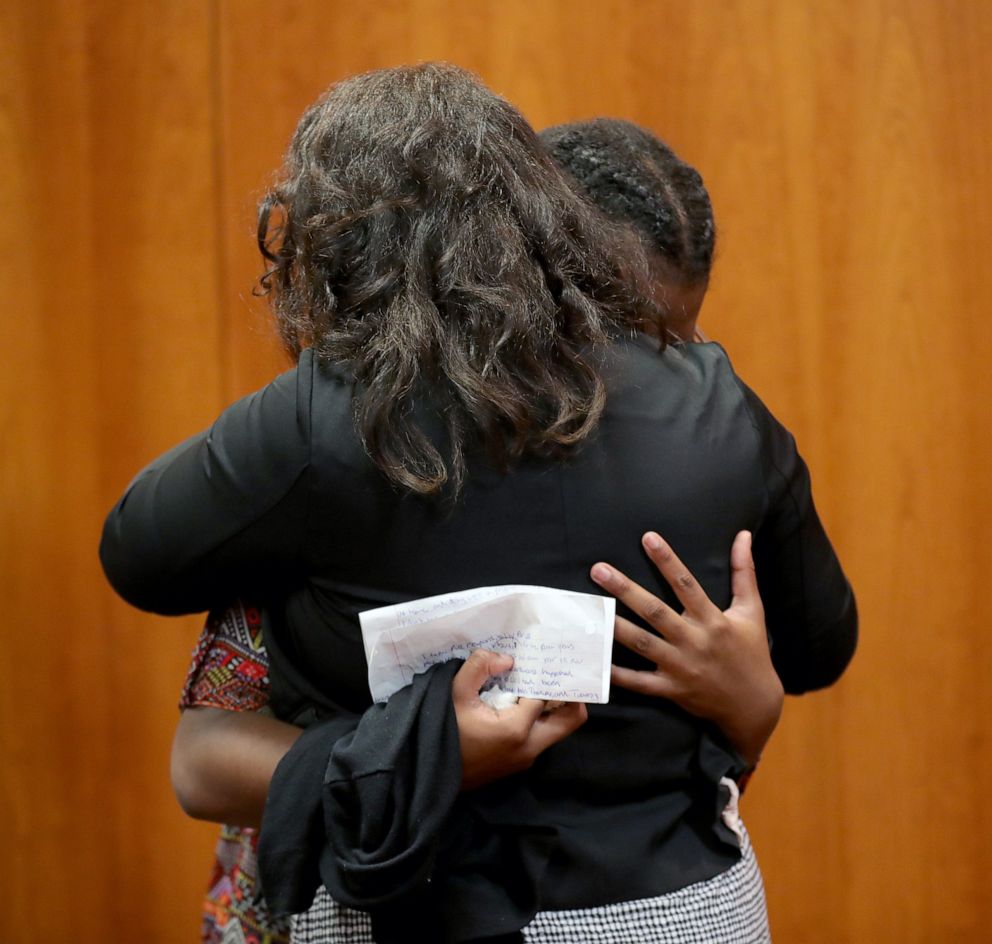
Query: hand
[
  {"x": 713, "y": 664},
  {"x": 495, "y": 744}
]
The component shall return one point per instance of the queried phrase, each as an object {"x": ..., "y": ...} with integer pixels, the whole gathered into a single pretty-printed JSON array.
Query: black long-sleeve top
[{"x": 279, "y": 497}]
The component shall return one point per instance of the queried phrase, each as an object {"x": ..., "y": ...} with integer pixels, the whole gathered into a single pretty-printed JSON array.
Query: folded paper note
[{"x": 561, "y": 641}]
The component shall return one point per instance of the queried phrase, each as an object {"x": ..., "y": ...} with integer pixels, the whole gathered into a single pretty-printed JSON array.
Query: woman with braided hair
[
  {"x": 638, "y": 180},
  {"x": 470, "y": 330}
]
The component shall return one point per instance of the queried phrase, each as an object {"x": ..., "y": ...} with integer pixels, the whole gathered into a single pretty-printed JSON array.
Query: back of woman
[{"x": 677, "y": 448}]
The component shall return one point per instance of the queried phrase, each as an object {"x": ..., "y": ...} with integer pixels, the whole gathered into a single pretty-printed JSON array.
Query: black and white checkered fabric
[
  {"x": 728, "y": 909},
  {"x": 327, "y": 922}
]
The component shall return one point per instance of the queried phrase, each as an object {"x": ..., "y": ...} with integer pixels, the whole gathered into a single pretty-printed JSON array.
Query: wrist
[{"x": 750, "y": 731}]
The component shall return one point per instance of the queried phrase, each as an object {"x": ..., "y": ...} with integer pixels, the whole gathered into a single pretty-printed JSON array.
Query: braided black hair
[{"x": 637, "y": 179}]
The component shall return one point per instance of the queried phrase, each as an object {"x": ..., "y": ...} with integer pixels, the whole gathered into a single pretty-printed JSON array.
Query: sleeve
[
  {"x": 360, "y": 802},
  {"x": 292, "y": 837},
  {"x": 224, "y": 511},
  {"x": 810, "y": 610},
  {"x": 230, "y": 665}
]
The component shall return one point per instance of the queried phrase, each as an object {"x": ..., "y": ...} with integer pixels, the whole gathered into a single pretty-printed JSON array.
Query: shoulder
[
  {"x": 284, "y": 410},
  {"x": 696, "y": 377},
  {"x": 640, "y": 354},
  {"x": 716, "y": 360},
  {"x": 230, "y": 665},
  {"x": 710, "y": 358}
]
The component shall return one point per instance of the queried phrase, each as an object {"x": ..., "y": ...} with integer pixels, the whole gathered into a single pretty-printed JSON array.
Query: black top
[{"x": 280, "y": 497}]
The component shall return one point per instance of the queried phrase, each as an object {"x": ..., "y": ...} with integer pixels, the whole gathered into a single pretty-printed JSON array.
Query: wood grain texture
[
  {"x": 110, "y": 354},
  {"x": 845, "y": 145}
]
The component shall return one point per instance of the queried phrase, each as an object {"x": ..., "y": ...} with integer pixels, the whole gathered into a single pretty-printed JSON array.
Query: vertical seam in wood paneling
[{"x": 224, "y": 365}]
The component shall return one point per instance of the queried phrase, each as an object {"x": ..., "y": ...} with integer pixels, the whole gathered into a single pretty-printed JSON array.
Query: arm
[
  {"x": 223, "y": 761},
  {"x": 713, "y": 664},
  {"x": 224, "y": 510},
  {"x": 224, "y": 752},
  {"x": 809, "y": 605}
]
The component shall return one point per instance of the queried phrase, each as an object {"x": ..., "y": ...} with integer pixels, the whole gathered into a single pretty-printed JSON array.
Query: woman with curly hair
[{"x": 483, "y": 395}]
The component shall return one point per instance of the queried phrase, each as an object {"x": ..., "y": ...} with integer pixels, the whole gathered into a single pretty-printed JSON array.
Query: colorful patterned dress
[{"x": 230, "y": 670}]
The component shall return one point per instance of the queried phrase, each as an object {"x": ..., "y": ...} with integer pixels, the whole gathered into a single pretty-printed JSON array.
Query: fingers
[
  {"x": 641, "y": 641},
  {"x": 528, "y": 710},
  {"x": 743, "y": 580},
  {"x": 656, "y": 612},
  {"x": 556, "y": 725},
  {"x": 647, "y": 683},
  {"x": 686, "y": 588},
  {"x": 479, "y": 666}
]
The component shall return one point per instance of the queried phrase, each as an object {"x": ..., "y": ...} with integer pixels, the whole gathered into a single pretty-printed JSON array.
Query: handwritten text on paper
[{"x": 560, "y": 640}]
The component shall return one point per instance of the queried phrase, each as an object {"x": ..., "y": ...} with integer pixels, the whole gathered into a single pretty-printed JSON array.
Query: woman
[{"x": 481, "y": 324}]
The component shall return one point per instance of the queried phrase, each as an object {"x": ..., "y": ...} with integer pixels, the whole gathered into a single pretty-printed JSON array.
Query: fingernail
[
  {"x": 652, "y": 542},
  {"x": 601, "y": 573}
]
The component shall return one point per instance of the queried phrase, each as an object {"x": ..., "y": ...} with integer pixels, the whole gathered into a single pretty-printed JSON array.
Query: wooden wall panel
[
  {"x": 110, "y": 353},
  {"x": 876, "y": 296},
  {"x": 846, "y": 148}
]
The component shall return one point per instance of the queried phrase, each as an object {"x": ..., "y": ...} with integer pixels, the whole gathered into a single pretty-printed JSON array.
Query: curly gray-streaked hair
[{"x": 421, "y": 236}]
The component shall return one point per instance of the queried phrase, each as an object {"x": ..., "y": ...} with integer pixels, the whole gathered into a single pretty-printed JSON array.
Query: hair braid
[{"x": 634, "y": 177}]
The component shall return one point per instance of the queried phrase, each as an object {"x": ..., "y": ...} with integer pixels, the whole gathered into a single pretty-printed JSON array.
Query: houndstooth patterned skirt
[{"x": 727, "y": 909}]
